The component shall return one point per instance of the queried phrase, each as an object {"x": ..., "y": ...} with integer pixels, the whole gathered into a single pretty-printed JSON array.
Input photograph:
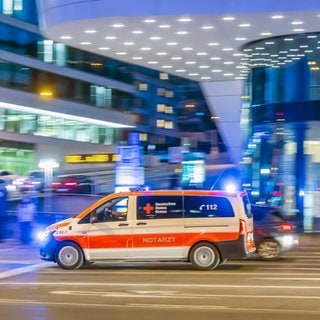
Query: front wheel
[
  {"x": 69, "y": 256},
  {"x": 205, "y": 256}
]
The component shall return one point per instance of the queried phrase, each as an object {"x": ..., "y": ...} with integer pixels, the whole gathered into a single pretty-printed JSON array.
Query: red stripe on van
[{"x": 147, "y": 240}]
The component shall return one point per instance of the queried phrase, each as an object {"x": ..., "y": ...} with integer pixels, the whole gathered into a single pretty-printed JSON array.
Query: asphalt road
[{"x": 239, "y": 289}]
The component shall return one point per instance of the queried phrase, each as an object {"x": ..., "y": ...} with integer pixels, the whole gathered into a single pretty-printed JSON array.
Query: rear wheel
[
  {"x": 269, "y": 249},
  {"x": 205, "y": 256},
  {"x": 69, "y": 256}
]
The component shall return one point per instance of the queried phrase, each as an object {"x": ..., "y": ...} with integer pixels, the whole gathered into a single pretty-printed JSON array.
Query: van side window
[
  {"x": 207, "y": 207},
  {"x": 113, "y": 210},
  {"x": 247, "y": 206},
  {"x": 159, "y": 207}
]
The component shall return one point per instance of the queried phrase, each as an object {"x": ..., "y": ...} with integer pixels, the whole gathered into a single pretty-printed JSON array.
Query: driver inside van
[
  {"x": 114, "y": 210},
  {"x": 107, "y": 214}
]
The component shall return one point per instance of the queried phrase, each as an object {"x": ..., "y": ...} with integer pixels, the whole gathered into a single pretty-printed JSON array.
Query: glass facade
[
  {"x": 55, "y": 127},
  {"x": 281, "y": 125},
  {"x": 41, "y": 82},
  {"x": 24, "y": 10},
  {"x": 17, "y": 157}
]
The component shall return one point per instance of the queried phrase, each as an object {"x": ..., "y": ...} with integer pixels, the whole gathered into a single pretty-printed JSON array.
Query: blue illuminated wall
[{"x": 280, "y": 162}]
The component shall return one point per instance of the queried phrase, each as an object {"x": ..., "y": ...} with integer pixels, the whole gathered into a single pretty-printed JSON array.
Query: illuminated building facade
[
  {"x": 58, "y": 100},
  {"x": 256, "y": 63},
  {"x": 281, "y": 157}
]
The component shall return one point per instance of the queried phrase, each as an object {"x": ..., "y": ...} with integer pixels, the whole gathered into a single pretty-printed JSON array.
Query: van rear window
[{"x": 207, "y": 207}]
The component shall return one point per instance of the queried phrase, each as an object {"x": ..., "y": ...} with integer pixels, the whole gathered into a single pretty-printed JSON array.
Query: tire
[
  {"x": 69, "y": 256},
  {"x": 205, "y": 256},
  {"x": 269, "y": 249}
]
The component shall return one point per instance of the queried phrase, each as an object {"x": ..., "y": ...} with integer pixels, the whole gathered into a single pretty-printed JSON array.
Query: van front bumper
[{"x": 47, "y": 246}]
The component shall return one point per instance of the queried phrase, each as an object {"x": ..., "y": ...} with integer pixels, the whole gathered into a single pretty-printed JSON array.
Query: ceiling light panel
[{"x": 209, "y": 40}]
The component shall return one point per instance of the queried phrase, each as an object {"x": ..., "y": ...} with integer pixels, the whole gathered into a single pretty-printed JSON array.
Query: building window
[
  {"x": 143, "y": 137},
  {"x": 9, "y": 6},
  {"x": 168, "y": 125},
  {"x": 169, "y": 109},
  {"x": 143, "y": 86},
  {"x": 101, "y": 96},
  {"x": 164, "y": 76},
  {"x": 160, "y": 123},
  {"x": 161, "y": 92},
  {"x": 45, "y": 50},
  {"x": 49, "y": 126},
  {"x": 161, "y": 107},
  {"x": 169, "y": 94}
]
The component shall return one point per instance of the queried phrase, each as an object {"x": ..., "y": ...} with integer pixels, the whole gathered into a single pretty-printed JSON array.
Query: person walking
[
  {"x": 3, "y": 209},
  {"x": 25, "y": 215}
]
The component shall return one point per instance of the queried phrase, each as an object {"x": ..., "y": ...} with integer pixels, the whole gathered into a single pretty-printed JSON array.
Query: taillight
[
  {"x": 242, "y": 227},
  {"x": 71, "y": 184},
  {"x": 286, "y": 227},
  {"x": 250, "y": 246}
]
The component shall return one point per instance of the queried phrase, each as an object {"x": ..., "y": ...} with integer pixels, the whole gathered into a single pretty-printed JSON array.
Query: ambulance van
[{"x": 205, "y": 228}]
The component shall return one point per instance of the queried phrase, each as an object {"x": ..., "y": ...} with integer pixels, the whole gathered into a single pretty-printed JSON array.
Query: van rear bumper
[{"x": 235, "y": 249}]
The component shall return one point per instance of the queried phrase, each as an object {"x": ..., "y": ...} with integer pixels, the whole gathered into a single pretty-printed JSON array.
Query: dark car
[
  {"x": 31, "y": 181},
  {"x": 72, "y": 184},
  {"x": 273, "y": 232}
]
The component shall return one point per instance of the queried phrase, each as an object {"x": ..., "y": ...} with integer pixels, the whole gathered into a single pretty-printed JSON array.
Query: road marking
[
  {"x": 22, "y": 270},
  {"x": 158, "y": 285},
  {"x": 18, "y": 262},
  {"x": 125, "y": 294},
  {"x": 290, "y": 279},
  {"x": 176, "y": 294},
  {"x": 18, "y": 302}
]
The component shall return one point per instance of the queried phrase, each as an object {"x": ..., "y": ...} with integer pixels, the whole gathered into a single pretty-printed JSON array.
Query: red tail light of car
[
  {"x": 55, "y": 184},
  {"x": 70, "y": 184},
  {"x": 286, "y": 227}
]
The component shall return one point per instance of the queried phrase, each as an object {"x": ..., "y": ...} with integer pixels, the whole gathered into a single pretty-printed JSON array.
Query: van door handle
[
  {"x": 141, "y": 223},
  {"x": 123, "y": 224}
]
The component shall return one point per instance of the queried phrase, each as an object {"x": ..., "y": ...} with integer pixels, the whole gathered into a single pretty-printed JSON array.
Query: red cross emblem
[{"x": 148, "y": 208}]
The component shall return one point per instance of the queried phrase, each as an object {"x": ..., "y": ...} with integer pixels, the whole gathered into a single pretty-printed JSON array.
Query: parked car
[
  {"x": 9, "y": 177},
  {"x": 72, "y": 184},
  {"x": 31, "y": 181},
  {"x": 273, "y": 232}
]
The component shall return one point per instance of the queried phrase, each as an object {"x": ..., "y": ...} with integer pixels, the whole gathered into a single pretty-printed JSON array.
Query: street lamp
[{"x": 47, "y": 165}]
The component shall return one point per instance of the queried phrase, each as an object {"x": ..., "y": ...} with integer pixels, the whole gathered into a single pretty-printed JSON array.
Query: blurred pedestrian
[
  {"x": 3, "y": 209},
  {"x": 25, "y": 215}
]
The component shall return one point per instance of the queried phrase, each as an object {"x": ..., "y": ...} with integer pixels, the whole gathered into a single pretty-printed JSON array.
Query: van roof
[{"x": 182, "y": 192}]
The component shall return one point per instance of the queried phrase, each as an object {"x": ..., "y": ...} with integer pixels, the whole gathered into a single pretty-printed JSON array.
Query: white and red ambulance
[{"x": 205, "y": 228}]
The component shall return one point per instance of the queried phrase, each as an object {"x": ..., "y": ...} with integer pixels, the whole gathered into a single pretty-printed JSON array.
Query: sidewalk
[
  {"x": 17, "y": 259},
  {"x": 14, "y": 249}
]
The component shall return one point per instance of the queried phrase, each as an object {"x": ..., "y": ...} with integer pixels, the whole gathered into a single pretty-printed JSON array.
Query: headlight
[{"x": 42, "y": 236}]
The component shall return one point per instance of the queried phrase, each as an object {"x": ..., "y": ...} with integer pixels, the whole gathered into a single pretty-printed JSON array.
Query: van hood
[{"x": 59, "y": 224}]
